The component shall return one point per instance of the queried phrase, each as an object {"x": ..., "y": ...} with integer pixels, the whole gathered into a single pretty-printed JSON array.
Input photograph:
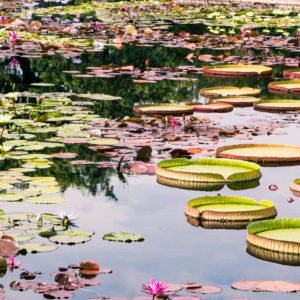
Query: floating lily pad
[
  {"x": 292, "y": 73},
  {"x": 163, "y": 110},
  {"x": 270, "y": 153},
  {"x": 281, "y": 235},
  {"x": 211, "y": 107},
  {"x": 229, "y": 209},
  {"x": 36, "y": 247},
  {"x": 183, "y": 171},
  {"x": 204, "y": 289},
  {"x": 64, "y": 155},
  {"x": 10, "y": 197},
  {"x": 236, "y": 71},
  {"x": 72, "y": 237},
  {"x": 285, "y": 87},
  {"x": 295, "y": 187},
  {"x": 266, "y": 286},
  {"x": 20, "y": 238},
  {"x": 226, "y": 91},
  {"x": 103, "y": 141},
  {"x": 121, "y": 236},
  {"x": 277, "y": 105},
  {"x": 241, "y": 101}
]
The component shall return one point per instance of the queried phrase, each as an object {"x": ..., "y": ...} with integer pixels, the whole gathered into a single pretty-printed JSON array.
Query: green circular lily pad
[
  {"x": 236, "y": 71},
  {"x": 121, "y": 236},
  {"x": 37, "y": 247},
  {"x": 229, "y": 209},
  {"x": 20, "y": 238},
  {"x": 72, "y": 237},
  {"x": 11, "y": 197},
  {"x": 281, "y": 235},
  {"x": 206, "y": 170},
  {"x": 226, "y": 91}
]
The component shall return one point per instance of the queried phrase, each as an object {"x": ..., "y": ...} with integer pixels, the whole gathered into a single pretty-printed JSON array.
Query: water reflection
[{"x": 274, "y": 256}]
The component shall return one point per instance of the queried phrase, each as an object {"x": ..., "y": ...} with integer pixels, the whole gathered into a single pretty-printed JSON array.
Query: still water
[{"x": 173, "y": 250}]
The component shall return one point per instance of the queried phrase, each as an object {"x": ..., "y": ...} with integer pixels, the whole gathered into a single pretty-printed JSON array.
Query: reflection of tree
[
  {"x": 81, "y": 176},
  {"x": 50, "y": 69}
]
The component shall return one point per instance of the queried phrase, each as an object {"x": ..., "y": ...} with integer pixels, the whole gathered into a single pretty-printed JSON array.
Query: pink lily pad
[
  {"x": 64, "y": 155},
  {"x": 75, "y": 141},
  {"x": 138, "y": 167},
  {"x": 204, "y": 289},
  {"x": 173, "y": 287}
]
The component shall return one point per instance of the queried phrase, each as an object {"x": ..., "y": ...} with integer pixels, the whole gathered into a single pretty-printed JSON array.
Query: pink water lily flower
[
  {"x": 244, "y": 31},
  {"x": 12, "y": 263},
  {"x": 155, "y": 288}
]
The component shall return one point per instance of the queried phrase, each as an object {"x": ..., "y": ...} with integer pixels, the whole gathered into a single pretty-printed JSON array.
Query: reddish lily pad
[
  {"x": 205, "y": 289},
  {"x": 64, "y": 155},
  {"x": 267, "y": 286}
]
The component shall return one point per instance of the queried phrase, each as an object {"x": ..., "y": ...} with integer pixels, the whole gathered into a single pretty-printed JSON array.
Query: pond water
[{"x": 173, "y": 250}]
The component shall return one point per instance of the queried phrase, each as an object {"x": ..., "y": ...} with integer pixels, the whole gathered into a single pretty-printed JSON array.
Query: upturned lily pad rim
[
  {"x": 266, "y": 211},
  {"x": 216, "y": 224},
  {"x": 273, "y": 244},
  {"x": 269, "y": 159},
  {"x": 277, "y": 88},
  {"x": 292, "y": 73},
  {"x": 181, "y": 109},
  {"x": 211, "y": 107},
  {"x": 247, "y": 91},
  {"x": 238, "y": 101},
  {"x": 267, "y": 105},
  {"x": 163, "y": 171},
  {"x": 295, "y": 187},
  {"x": 248, "y": 71}
]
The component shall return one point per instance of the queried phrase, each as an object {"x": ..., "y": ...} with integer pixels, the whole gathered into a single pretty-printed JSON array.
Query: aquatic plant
[{"x": 155, "y": 288}]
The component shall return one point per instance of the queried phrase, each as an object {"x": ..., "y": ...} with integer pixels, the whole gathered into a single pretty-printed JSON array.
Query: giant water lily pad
[
  {"x": 285, "y": 87},
  {"x": 292, "y": 73},
  {"x": 72, "y": 237},
  {"x": 163, "y": 109},
  {"x": 206, "y": 170},
  {"x": 239, "y": 101},
  {"x": 121, "y": 236},
  {"x": 236, "y": 71},
  {"x": 211, "y": 107},
  {"x": 277, "y": 105},
  {"x": 229, "y": 209},
  {"x": 295, "y": 187},
  {"x": 281, "y": 235},
  {"x": 270, "y": 153},
  {"x": 226, "y": 91}
]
